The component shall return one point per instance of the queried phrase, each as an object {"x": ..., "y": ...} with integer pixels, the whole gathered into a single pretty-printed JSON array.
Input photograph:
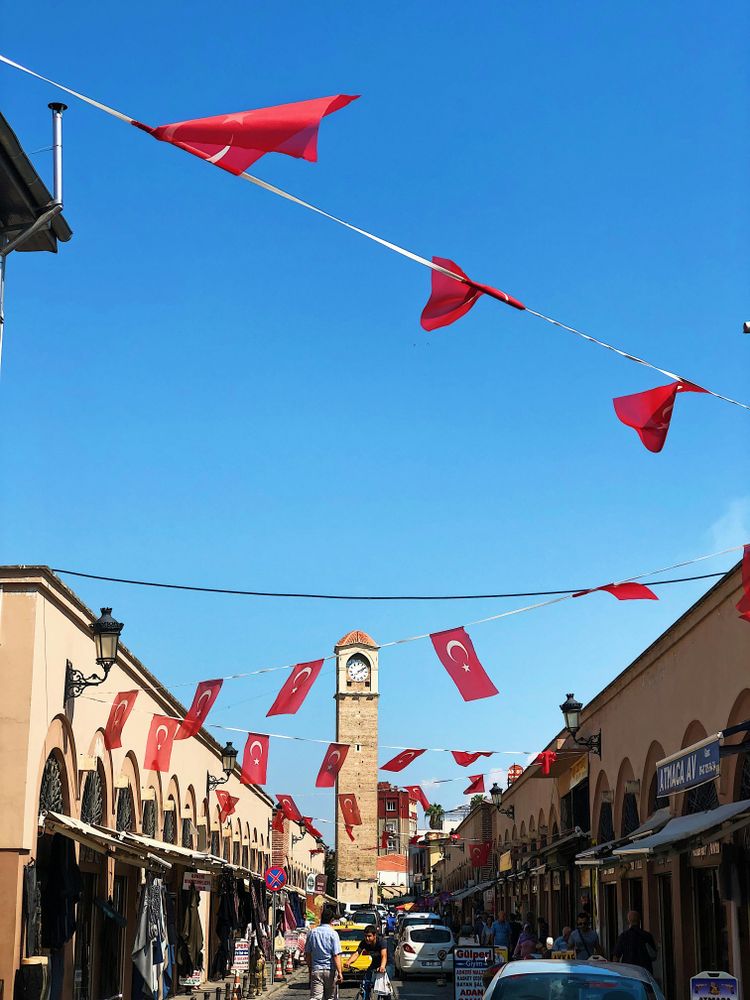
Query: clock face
[{"x": 357, "y": 668}]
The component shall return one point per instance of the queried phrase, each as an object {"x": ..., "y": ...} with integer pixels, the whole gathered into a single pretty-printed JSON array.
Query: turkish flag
[
  {"x": 456, "y": 652},
  {"x": 650, "y": 412},
  {"x": 159, "y": 743},
  {"x": 255, "y": 760},
  {"x": 205, "y": 695},
  {"x": 545, "y": 759},
  {"x": 236, "y": 141},
  {"x": 384, "y": 840},
  {"x": 743, "y": 605},
  {"x": 624, "y": 591},
  {"x": 226, "y": 802},
  {"x": 477, "y": 784},
  {"x": 401, "y": 760},
  {"x": 350, "y": 809},
  {"x": 295, "y": 688},
  {"x": 413, "y": 840},
  {"x": 277, "y": 820},
  {"x": 312, "y": 829},
  {"x": 349, "y": 831},
  {"x": 289, "y": 808},
  {"x": 479, "y": 853},
  {"x": 122, "y": 706},
  {"x": 451, "y": 299},
  {"x": 332, "y": 763},
  {"x": 463, "y": 758},
  {"x": 416, "y": 793}
]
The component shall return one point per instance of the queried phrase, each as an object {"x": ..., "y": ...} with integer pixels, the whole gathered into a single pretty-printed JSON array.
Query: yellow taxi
[{"x": 351, "y": 934}]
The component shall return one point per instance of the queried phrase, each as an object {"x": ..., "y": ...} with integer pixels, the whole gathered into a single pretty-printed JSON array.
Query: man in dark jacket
[{"x": 635, "y": 946}]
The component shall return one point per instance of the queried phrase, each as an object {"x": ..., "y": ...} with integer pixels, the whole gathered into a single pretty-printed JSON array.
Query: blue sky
[{"x": 210, "y": 385}]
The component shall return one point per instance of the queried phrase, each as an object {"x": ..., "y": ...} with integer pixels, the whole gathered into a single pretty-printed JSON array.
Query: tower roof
[{"x": 357, "y": 638}]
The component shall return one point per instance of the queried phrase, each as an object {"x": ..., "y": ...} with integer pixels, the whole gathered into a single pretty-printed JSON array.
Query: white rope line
[{"x": 273, "y": 189}]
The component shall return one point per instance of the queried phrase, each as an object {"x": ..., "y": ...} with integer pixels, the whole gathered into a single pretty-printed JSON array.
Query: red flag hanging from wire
[
  {"x": 205, "y": 695},
  {"x": 295, "y": 688},
  {"x": 236, "y": 141},
  {"x": 159, "y": 743},
  {"x": 479, "y": 853},
  {"x": 624, "y": 591},
  {"x": 226, "y": 802},
  {"x": 743, "y": 605},
  {"x": 122, "y": 706},
  {"x": 463, "y": 758},
  {"x": 545, "y": 759},
  {"x": 401, "y": 760},
  {"x": 417, "y": 794},
  {"x": 332, "y": 764},
  {"x": 456, "y": 653},
  {"x": 350, "y": 809},
  {"x": 289, "y": 808},
  {"x": 312, "y": 829},
  {"x": 451, "y": 299},
  {"x": 476, "y": 786},
  {"x": 649, "y": 413},
  {"x": 255, "y": 760},
  {"x": 277, "y": 820}
]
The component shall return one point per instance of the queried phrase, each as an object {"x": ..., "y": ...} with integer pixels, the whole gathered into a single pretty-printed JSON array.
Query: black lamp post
[
  {"x": 302, "y": 833},
  {"x": 106, "y": 632},
  {"x": 228, "y": 760},
  {"x": 496, "y": 794},
  {"x": 571, "y": 710}
]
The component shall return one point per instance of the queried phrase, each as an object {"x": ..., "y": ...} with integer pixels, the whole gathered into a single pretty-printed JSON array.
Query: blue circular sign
[{"x": 275, "y": 878}]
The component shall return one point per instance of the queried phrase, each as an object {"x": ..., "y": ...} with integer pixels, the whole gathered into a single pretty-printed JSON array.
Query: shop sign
[
  {"x": 321, "y": 881},
  {"x": 579, "y": 771},
  {"x": 506, "y": 862},
  {"x": 713, "y": 984},
  {"x": 241, "y": 956},
  {"x": 689, "y": 768},
  {"x": 310, "y": 883},
  {"x": 707, "y": 850},
  {"x": 194, "y": 980},
  {"x": 565, "y": 954},
  {"x": 488, "y": 899},
  {"x": 200, "y": 880},
  {"x": 469, "y": 965},
  {"x": 501, "y": 955}
]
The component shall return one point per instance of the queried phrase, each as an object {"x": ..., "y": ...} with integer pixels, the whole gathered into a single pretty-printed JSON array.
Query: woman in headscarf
[{"x": 528, "y": 943}]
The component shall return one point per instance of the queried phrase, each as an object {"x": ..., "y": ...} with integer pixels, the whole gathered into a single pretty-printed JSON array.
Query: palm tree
[
  {"x": 436, "y": 814},
  {"x": 475, "y": 801}
]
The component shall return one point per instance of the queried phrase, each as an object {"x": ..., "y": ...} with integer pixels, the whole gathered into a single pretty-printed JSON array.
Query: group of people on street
[
  {"x": 323, "y": 955},
  {"x": 528, "y": 939}
]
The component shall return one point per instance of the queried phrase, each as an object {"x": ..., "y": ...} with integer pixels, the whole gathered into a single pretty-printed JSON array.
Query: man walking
[
  {"x": 323, "y": 957},
  {"x": 501, "y": 932},
  {"x": 635, "y": 945},
  {"x": 584, "y": 939}
]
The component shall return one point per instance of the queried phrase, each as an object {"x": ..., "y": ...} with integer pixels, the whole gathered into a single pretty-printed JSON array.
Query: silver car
[{"x": 572, "y": 979}]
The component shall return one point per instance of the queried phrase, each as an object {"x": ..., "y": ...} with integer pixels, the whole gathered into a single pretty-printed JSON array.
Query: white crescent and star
[
  {"x": 334, "y": 758},
  {"x": 453, "y": 644},
  {"x": 256, "y": 743},
  {"x": 120, "y": 709},
  {"x": 159, "y": 742},
  {"x": 305, "y": 672},
  {"x": 205, "y": 696}
]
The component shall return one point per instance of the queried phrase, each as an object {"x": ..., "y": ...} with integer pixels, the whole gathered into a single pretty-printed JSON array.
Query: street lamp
[
  {"x": 302, "y": 833},
  {"x": 106, "y": 632},
  {"x": 496, "y": 794},
  {"x": 228, "y": 760},
  {"x": 571, "y": 710}
]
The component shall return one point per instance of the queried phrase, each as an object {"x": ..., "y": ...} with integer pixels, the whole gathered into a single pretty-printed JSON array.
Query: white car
[
  {"x": 413, "y": 919},
  {"x": 424, "y": 950}
]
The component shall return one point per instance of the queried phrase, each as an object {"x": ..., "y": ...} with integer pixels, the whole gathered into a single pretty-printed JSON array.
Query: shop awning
[
  {"x": 471, "y": 890},
  {"x": 595, "y": 856},
  {"x": 101, "y": 840},
  {"x": 175, "y": 854},
  {"x": 602, "y": 854},
  {"x": 677, "y": 831}
]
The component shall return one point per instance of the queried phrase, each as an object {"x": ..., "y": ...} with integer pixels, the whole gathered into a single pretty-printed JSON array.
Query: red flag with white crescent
[
  {"x": 743, "y": 605},
  {"x": 122, "y": 706},
  {"x": 277, "y": 820},
  {"x": 289, "y": 808},
  {"x": 295, "y": 688},
  {"x": 416, "y": 793},
  {"x": 159, "y": 743},
  {"x": 463, "y": 758},
  {"x": 332, "y": 763},
  {"x": 349, "y": 831},
  {"x": 456, "y": 653},
  {"x": 623, "y": 591},
  {"x": 451, "y": 299},
  {"x": 476, "y": 786},
  {"x": 401, "y": 760},
  {"x": 479, "y": 853},
  {"x": 545, "y": 759},
  {"x": 350, "y": 809},
  {"x": 205, "y": 695},
  {"x": 236, "y": 141},
  {"x": 312, "y": 829},
  {"x": 226, "y": 802},
  {"x": 255, "y": 760},
  {"x": 650, "y": 413}
]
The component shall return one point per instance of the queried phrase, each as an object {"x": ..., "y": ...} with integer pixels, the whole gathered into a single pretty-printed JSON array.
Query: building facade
[{"x": 125, "y": 822}]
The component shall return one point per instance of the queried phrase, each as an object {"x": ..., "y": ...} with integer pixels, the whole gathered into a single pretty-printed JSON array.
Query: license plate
[{"x": 430, "y": 963}]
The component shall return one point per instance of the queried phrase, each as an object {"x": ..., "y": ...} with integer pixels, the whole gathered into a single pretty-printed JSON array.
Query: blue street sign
[
  {"x": 275, "y": 878},
  {"x": 689, "y": 768}
]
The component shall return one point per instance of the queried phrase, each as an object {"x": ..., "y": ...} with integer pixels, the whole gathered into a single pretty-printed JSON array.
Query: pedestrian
[
  {"x": 373, "y": 945},
  {"x": 515, "y": 930},
  {"x": 528, "y": 943},
  {"x": 635, "y": 945},
  {"x": 390, "y": 923},
  {"x": 502, "y": 932},
  {"x": 323, "y": 958},
  {"x": 561, "y": 943},
  {"x": 584, "y": 939},
  {"x": 542, "y": 930},
  {"x": 488, "y": 936},
  {"x": 479, "y": 925}
]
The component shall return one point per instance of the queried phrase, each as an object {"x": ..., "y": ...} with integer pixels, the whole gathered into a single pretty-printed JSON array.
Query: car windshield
[
  {"x": 410, "y": 921},
  {"x": 366, "y": 917},
  {"x": 351, "y": 935},
  {"x": 570, "y": 986},
  {"x": 430, "y": 935}
]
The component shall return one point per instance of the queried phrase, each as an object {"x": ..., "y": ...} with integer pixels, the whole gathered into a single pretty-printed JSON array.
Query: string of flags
[{"x": 235, "y": 141}]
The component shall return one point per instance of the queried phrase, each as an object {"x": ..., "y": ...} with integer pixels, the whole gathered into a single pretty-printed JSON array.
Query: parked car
[
  {"x": 424, "y": 949},
  {"x": 412, "y": 919},
  {"x": 572, "y": 979}
]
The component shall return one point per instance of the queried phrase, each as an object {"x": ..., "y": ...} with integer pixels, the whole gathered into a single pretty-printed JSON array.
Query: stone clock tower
[{"x": 357, "y": 724}]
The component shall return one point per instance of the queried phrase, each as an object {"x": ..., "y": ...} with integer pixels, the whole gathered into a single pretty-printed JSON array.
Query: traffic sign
[{"x": 275, "y": 878}]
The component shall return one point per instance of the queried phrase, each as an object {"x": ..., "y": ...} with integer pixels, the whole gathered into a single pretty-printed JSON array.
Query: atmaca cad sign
[{"x": 689, "y": 768}]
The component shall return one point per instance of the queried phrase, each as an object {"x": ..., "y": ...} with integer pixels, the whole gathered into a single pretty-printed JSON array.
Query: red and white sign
[{"x": 199, "y": 880}]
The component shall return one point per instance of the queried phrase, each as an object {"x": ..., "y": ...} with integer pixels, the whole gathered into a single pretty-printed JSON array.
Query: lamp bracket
[
  {"x": 76, "y": 681},
  {"x": 212, "y": 782},
  {"x": 509, "y": 811},
  {"x": 591, "y": 743}
]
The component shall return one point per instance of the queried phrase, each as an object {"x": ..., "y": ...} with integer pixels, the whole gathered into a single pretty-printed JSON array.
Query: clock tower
[{"x": 357, "y": 724}]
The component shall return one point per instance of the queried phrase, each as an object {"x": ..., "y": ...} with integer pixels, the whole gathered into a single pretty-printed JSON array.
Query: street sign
[
  {"x": 275, "y": 878},
  {"x": 469, "y": 965},
  {"x": 689, "y": 768},
  {"x": 310, "y": 883},
  {"x": 706, "y": 985},
  {"x": 241, "y": 955}
]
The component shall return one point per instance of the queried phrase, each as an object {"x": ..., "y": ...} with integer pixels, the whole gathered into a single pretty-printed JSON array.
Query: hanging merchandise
[
  {"x": 226, "y": 924},
  {"x": 151, "y": 947},
  {"x": 190, "y": 941},
  {"x": 205, "y": 695}
]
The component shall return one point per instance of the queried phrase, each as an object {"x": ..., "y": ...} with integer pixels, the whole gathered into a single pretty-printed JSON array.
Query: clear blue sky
[{"x": 210, "y": 385}]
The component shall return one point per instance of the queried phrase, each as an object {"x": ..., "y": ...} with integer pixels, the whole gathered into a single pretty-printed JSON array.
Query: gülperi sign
[{"x": 689, "y": 768}]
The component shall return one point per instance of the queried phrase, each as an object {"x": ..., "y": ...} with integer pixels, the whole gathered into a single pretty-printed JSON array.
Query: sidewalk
[{"x": 297, "y": 979}]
